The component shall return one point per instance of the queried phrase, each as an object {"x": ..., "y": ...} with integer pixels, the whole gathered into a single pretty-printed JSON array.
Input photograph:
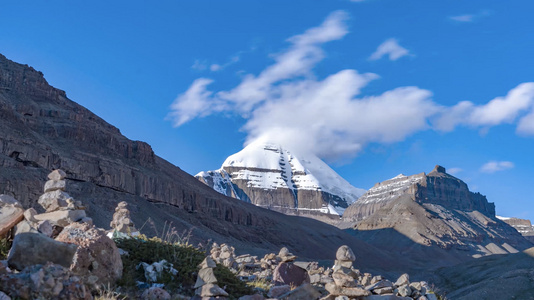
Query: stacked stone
[
  {"x": 206, "y": 285},
  {"x": 345, "y": 277},
  {"x": 224, "y": 255},
  {"x": 61, "y": 209},
  {"x": 121, "y": 220}
]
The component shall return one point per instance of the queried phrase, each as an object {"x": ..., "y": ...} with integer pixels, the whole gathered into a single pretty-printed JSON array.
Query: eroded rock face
[
  {"x": 97, "y": 259},
  {"x": 436, "y": 187}
]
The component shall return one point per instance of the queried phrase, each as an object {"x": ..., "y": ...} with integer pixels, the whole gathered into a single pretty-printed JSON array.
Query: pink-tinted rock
[
  {"x": 97, "y": 259},
  {"x": 290, "y": 274}
]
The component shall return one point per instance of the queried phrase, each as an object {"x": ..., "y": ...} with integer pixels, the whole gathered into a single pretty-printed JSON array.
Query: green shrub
[{"x": 184, "y": 258}]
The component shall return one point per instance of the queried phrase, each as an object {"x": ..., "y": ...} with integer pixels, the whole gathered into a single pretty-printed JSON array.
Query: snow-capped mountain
[{"x": 271, "y": 176}]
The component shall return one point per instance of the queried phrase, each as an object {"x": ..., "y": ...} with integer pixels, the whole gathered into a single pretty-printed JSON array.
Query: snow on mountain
[{"x": 268, "y": 167}]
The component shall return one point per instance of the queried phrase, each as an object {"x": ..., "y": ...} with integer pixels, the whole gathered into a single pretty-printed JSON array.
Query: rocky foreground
[{"x": 60, "y": 254}]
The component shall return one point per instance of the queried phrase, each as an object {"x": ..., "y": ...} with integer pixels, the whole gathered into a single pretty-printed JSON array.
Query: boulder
[
  {"x": 34, "y": 248},
  {"x": 48, "y": 281},
  {"x": 29, "y": 215},
  {"x": 205, "y": 276},
  {"x": 343, "y": 280},
  {"x": 286, "y": 273},
  {"x": 97, "y": 259}
]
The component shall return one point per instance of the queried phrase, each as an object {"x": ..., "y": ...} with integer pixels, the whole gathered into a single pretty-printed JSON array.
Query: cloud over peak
[{"x": 287, "y": 103}]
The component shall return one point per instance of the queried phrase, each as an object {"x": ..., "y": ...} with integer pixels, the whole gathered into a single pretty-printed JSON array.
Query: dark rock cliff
[{"x": 41, "y": 130}]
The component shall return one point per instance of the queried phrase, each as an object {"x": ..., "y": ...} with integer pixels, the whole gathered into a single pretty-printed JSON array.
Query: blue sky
[{"x": 376, "y": 87}]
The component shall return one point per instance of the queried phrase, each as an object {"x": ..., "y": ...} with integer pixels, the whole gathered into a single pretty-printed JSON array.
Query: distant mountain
[
  {"x": 274, "y": 177},
  {"x": 523, "y": 226},
  {"x": 434, "y": 209}
]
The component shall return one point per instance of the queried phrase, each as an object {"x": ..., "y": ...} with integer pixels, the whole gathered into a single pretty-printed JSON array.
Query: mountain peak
[{"x": 270, "y": 175}]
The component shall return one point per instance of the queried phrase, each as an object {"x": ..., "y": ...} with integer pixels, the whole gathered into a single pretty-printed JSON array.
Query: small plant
[
  {"x": 5, "y": 246},
  {"x": 261, "y": 284},
  {"x": 230, "y": 283},
  {"x": 106, "y": 293}
]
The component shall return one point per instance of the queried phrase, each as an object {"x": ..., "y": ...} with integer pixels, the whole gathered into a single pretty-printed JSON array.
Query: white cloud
[
  {"x": 463, "y": 18},
  {"x": 469, "y": 18},
  {"x": 501, "y": 110},
  {"x": 391, "y": 48},
  {"x": 496, "y": 166},
  {"x": 199, "y": 65},
  {"x": 526, "y": 124},
  {"x": 454, "y": 171},
  {"x": 195, "y": 102}
]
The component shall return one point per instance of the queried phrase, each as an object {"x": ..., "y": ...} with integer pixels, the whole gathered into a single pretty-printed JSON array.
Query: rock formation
[
  {"x": 436, "y": 187},
  {"x": 434, "y": 209},
  {"x": 273, "y": 177}
]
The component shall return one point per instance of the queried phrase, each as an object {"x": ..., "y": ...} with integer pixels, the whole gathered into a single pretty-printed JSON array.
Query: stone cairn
[
  {"x": 57, "y": 254},
  {"x": 121, "y": 220},
  {"x": 61, "y": 209},
  {"x": 206, "y": 285},
  {"x": 224, "y": 255}
]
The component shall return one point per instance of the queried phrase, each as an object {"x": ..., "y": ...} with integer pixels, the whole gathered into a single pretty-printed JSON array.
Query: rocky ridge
[
  {"x": 427, "y": 210},
  {"x": 270, "y": 176}
]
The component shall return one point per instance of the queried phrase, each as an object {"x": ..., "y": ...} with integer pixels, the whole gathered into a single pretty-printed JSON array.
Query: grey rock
[
  {"x": 207, "y": 263},
  {"x": 404, "y": 291},
  {"x": 54, "y": 185},
  {"x": 205, "y": 276},
  {"x": 52, "y": 201},
  {"x": 344, "y": 253},
  {"x": 29, "y": 215},
  {"x": 25, "y": 226},
  {"x": 57, "y": 175},
  {"x": 3, "y": 296},
  {"x": 6, "y": 200},
  {"x": 286, "y": 273},
  {"x": 277, "y": 291},
  {"x": 343, "y": 280},
  {"x": 34, "y": 248},
  {"x": 404, "y": 279},
  {"x": 62, "y": 217},
  {"x": 45, "y": 227},
  {"x": 210, "y": 290}
]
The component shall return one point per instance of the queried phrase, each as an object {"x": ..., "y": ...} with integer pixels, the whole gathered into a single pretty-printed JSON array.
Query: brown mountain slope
[{"x": 41, "y": 130}]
